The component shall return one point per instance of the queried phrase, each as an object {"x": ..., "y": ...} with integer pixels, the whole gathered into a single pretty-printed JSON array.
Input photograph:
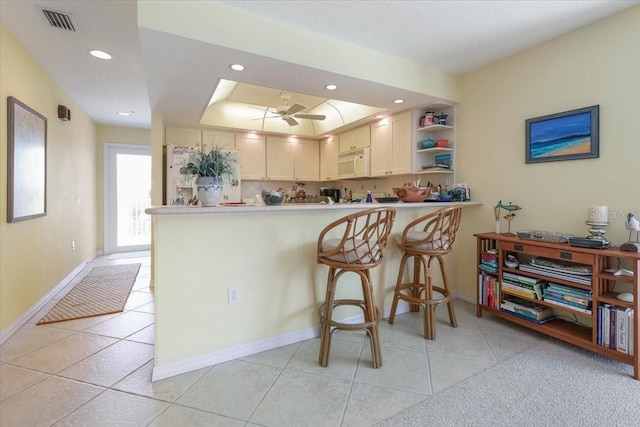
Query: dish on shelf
[
  {"x": 387, "y": 199},
  {"x": 412, "y": 194},
  {"x": 234, "y": 204}
]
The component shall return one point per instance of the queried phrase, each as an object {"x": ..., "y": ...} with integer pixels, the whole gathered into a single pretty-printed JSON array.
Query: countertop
[{"x": 290, "y": 207}]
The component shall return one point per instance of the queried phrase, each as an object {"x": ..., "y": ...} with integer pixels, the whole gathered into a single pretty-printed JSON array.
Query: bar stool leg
[
  {"x": 445, "y": 281},
  {"x": 394, "y": 304},
  {"x": 326, "y": 314},
  {"x": 371, "y": 317}
]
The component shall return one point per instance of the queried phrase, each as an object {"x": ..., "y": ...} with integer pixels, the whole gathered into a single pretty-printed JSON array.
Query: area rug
[
  {"x": 551, "y": 384},
  {"x": 104, "y": 290}
]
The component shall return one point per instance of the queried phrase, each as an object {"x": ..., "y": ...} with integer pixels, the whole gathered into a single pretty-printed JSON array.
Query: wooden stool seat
[
  {"x": 438, "y": 232},
  {"x": 364, "y": 236}
]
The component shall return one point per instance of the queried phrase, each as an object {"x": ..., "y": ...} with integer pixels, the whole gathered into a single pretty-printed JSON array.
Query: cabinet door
[
  {"x": 380, "y": 148},
  {"x": 252, "y": 156},
  {"x": 307, "y": 160},
  {"x": 354, "y": 139},
  {"x": 329, "y": 159},
  {"x": 400, "y": 144},
  {"x": 213, "y": 138},
  {"x": 347, "y": 141},
  {"x": 183, "y": 137},
  {"x": 280, "y": 159}
]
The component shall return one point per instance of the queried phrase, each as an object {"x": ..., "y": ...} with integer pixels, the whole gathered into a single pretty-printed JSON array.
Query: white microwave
[{"x": 354, "y": 164}]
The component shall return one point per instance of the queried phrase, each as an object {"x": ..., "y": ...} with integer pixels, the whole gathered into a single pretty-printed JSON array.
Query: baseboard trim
[
  {"x": 161, "y": 372},
  {"x": 31, "y": 311}
]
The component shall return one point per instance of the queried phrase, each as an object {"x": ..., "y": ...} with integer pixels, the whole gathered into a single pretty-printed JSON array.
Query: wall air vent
[{"x": 63, "y": 21}]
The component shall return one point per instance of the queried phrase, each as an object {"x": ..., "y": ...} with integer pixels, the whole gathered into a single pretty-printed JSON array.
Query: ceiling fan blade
[
  {"x": 310, "y": 116},
  {"x": 295, "y": 108},
  {"x": 291, "y": 121}
]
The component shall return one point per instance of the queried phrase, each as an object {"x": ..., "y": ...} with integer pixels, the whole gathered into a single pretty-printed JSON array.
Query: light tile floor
[{"x": 97, "y": 371}]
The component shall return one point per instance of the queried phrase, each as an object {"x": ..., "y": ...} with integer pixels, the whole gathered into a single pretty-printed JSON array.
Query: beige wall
[
  {"x": 598, "y": 64},
  {"x": 35, "y": 255}
]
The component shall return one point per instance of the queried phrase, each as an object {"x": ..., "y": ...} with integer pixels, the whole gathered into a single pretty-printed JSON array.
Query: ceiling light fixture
[
  {"x": 331, "y": 87},
  {"x": 398, "y": 101},
  {"x": 125, "y": 113},
  {"x": 237, "y": 67},
  {"x": 100, "y": 54},
  {"x": 379, "y": 116}
]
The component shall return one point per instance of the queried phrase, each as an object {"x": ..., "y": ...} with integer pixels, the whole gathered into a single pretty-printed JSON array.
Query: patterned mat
[{"x": 104, "y": 290}]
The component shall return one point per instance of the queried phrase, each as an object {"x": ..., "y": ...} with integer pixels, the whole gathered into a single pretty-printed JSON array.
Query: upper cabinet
[
  {"x": 435, "y": 139},
  {"x": 329, "y": 159},
  {"x": 280, "y": 159},
  {"x": 253, "y": 154},
  {"x": 391, "y": 143},
  {"x": 214, "y": 138},
  {"x": 183, "y": 137},
  {"x": 307, "y": 160},
  {"x": 355, "y": 139}
]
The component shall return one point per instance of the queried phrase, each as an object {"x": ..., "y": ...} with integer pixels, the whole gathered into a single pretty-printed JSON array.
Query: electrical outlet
[{"x": 234, "y": 295}]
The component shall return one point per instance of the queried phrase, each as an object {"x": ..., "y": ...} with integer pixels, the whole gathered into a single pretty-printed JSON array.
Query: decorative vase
[{"x": 209, "y": 190}]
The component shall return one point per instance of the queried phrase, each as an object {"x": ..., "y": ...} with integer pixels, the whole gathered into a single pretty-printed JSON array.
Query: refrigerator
[{"x": 180, "y": 188}]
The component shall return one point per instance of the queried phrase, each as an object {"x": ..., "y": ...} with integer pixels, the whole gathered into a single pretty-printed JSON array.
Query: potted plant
[{"x": 211, "y": 169}]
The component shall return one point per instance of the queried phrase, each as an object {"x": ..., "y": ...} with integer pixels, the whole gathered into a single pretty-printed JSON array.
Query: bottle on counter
[{"x": 369, "y": 198}]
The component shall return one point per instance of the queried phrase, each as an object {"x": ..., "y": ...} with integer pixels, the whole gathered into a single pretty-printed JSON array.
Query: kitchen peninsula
[{"x": 266, "y": 253}]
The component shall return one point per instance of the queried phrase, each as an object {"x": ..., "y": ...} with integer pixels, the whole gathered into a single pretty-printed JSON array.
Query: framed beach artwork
[
  {"x": 568, "y": 135},
  {"x": 26, "y": 162}
]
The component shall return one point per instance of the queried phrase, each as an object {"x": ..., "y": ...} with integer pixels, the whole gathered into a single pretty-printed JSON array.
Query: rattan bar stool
[
  {"x": 363, "y": 236},
  {"x": 433, "y": 242}
]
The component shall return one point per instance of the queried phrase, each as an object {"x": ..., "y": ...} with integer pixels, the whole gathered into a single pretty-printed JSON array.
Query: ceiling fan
[{"x": 289, "y": 113}]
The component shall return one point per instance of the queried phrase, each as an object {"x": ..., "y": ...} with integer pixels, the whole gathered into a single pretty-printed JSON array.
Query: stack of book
[
  {"x": 615, "y": 328},
  {"x": 522, "y": 286},
  {"x": 488, "y": 292},
  {"x": 527, "y": 310},
  {"x": 568, "y": 297},
  {"x": 489, "y": 262}
]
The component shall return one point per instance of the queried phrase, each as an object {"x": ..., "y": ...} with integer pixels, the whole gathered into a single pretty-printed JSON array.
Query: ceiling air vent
[{"x": 60, "y": 20}]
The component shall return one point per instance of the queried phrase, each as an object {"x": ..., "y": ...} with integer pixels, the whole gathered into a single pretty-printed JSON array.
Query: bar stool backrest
[
  {"x": 362, "y": 238},
  {"x": 438, "y": 233}
]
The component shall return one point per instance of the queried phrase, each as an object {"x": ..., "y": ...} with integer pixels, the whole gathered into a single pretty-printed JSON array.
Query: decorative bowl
[
  {"x": 412, "y": 194},
  {"x": 272, "y": 197},
  {"x": 387, "y": 199}
]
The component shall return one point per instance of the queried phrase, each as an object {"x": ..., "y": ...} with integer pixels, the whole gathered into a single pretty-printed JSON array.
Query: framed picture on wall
[
  {"x": 26, "y": 162},
  {"x": 568, "y": 135}
]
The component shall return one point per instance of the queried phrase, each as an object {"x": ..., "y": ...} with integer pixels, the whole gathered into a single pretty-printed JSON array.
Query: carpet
[
  {"x": 104, "y": 290},
  {"x": 551, "y": 384}
]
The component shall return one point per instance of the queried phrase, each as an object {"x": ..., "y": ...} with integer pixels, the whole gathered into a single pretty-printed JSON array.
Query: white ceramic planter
[{"x": 209, "y": 190}]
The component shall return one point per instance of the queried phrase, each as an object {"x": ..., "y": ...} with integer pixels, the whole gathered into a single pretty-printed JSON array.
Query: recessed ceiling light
[
  {"x": 398, "y": 101},
  {"x": 125, "y": 113},
  {"x": 331, "y": 87},
  {"x": 237, "y": 67},
  {"x": 100, "y": 54},
  {"x": 380, "y": 116}
]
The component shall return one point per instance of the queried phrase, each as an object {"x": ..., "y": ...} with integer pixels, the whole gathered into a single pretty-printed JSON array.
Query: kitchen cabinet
[
  {"x": 329, "y": 159},
  {"x": 391, "y": 142},
  {"x": 307, "y": 160},
  {"x": 355, "y": 139},
  {"x": 253, "y": 156},
  {"x": 435, "y": 160},
  {"x": 213, "y": 138},
  {"x": 182, "y": 136},
  {"x": 280, "y": 159}
]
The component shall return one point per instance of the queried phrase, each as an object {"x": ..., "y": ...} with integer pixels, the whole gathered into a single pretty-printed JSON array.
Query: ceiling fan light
[
  {"x": 237, "y": 67},
  {"x": 331, "y": 87}
]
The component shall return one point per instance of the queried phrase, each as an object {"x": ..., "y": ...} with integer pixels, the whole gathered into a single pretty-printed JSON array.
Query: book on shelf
[
  {"x": 537, "y": 311},
  {"x": 567, "y": 299},
  {"x": 606, "y": 324},
  {"x": 564, "y": 305},
  {"x": 613, "y": 328},
  {"x": 581, "y": 293},
  {"x": 521, "y": 279},
  {"x": 518, "y": 289},
  {"x": 622, "y": 319},
  {"x": 581, "y": 279},
  {"x": 529, "y": 319}
]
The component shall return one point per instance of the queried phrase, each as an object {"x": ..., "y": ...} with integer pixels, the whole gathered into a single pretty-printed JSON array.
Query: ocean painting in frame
[{"x": 568, "y": 135}]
